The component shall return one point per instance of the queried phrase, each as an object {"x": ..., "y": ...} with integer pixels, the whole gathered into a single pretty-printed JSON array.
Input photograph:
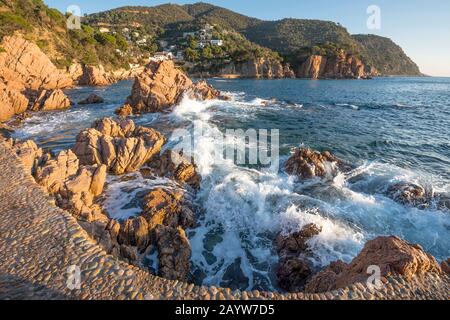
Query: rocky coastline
[{"x": 76, "y": 178}]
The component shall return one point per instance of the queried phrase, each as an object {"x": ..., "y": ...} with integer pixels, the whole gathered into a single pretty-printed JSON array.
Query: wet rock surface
[
  {"x": 92, "y": 99},
  {"x": 306, "y": 164},
  {"x": 175, "y": 165},
  {"x": 294, "y": 269}
]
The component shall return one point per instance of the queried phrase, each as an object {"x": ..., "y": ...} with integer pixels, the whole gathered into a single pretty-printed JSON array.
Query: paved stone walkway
[{"x": 39, "y": 242}]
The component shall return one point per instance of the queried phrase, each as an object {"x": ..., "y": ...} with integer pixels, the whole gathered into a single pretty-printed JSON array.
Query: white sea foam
[{"x": 245, "y": 208}]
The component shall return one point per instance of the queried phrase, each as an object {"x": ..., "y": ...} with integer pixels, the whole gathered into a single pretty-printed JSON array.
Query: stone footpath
[{"x": 40, "y": 242}]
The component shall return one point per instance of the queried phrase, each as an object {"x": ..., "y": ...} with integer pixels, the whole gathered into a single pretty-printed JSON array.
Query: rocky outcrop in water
[
  {"x": 294, "y": 269},
  {"x": 49, "y": 100},
  {"x": 92, "y": 99},
  {"x": 391, "y": 254},
  {"x": 174, "y": 165},
  {"x": 341, "y": 66},
  {"x": 306, "y": 164},
  {"x": 415, "y": 195},
  {"x": 119, "y": 145},
  {"x": 161, "y": 86},
  {"x": 262, "y": 68}
]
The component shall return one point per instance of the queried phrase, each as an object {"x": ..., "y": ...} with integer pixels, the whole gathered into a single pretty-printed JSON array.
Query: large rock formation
[
  {"x": 294, "y": 269},
  {"x": 306, "y": 164},
  {"x": 341, "y": 66},
  {"x": 74, "y": 187},
  {"x": 119, "y": 145},
  {"x": 24, "y": 63},
  {"x": 161, "y": 86},
  {"x": 259, "y": 69},
  {"x": 29, "y": 78},
  {"x": 391, "y": 254}
]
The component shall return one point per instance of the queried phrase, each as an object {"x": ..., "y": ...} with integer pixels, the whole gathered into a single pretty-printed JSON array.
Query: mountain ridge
[{"x": 287, "y": 36}]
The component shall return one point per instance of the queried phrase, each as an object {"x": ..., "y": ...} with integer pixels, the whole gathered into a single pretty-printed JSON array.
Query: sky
[{"x": 420, "y": 27}]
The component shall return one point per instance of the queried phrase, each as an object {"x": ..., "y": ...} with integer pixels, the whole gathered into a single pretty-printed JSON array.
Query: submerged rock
[
  {"x": 119, "y": 145},
  {"x": 161, "y": 86},
  {"x": 391, "y": 254},
  {"x": 306, "y": 164},
  {"x": 92, "y": 99}
]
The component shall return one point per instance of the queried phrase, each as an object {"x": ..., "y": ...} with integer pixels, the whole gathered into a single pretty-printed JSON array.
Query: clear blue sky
[{"x": 421, "y": 27}]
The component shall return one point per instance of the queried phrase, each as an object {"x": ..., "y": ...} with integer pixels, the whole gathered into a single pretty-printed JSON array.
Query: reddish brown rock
[
  {"x": 29, "y": 153},
  {"x": 294, "y": 269},
  {"x": 391, "y": 254},
  {"x": 296, "y": 242},
  {"x": 174, "y": 252},
  {"x": 48, "y": 100},
  {"x": 135, "y": 232},
  {"x": 161, "y": 86},
  {"x": 174, "y": 165},
  {"x": 75, "y": 188},
  {"x": 12, "y": 102},
  {"x": 24, "y": 64},
  {"x": 306, "y": 164},
  {"x": 119, "y": 145},
  {"x": 124, "y": 111},
  {"x": 203, "y": 91},
  {"x": 92, "y": 99},
  {"x": 341, "y": 66},
  {"x": 169, "y": 208}
]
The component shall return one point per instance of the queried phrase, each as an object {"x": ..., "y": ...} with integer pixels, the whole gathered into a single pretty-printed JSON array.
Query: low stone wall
[{"x": 40, "y": 242}]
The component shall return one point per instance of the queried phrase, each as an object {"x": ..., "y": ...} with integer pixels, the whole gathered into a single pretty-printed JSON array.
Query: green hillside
[
  {"x": 388, "y": 57},
  {"x": 47, "y": 28}
]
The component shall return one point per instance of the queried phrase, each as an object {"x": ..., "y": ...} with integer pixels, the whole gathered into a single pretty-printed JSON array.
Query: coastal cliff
[
  {"x": 261, "y": 68},
  {"x": 341, "y": 66}
]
